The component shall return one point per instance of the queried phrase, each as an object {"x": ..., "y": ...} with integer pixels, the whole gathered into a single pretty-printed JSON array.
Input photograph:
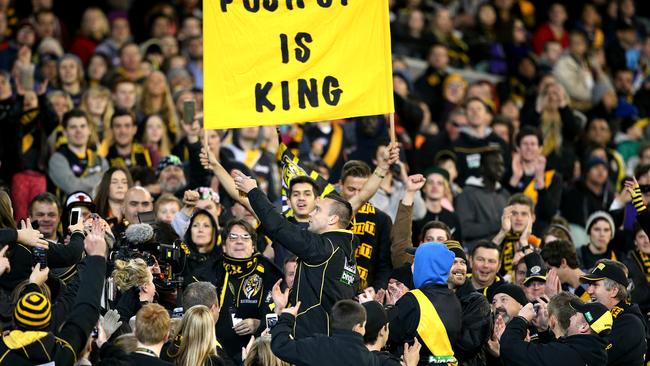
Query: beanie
[
  {"x": 514, "y": 291},
  {"x": 600, "y": 215},
  {"x": 32, "y": 312}
]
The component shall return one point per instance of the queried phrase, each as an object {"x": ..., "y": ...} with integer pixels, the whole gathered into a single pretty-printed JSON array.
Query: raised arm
[
  {"x": 309, "y": 247},
  {"x": 210, "y": 161},
  {"x": 372, "y": 184}
]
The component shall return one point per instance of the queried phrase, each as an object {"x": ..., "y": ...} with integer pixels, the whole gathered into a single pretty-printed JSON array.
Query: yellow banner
[{"x": 269, "y": 62}]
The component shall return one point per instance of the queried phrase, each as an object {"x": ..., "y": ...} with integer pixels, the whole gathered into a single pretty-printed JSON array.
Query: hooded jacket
[
  {"x": 327, "y": 268},
  {"x": 587, "y": 350},
  {"x": 430, "y": 272}
]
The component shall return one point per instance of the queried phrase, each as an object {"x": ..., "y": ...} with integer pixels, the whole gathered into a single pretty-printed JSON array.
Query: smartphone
[
  {"x": 177, "y": 313},
  {"x": 26, "y": 75},
  {"x": 271, "y": 320},
  {"x": 95, "y": 333},
  {"x": 75, "y": 215},
  {"x": 189, "y": 110},
  {"x": 645, "y": 188},
  {"x": 148, "y": 217},
  {"x": 39, "y": 255}
]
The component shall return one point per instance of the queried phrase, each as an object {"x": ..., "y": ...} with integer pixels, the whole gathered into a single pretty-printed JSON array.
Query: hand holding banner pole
[{"x": 392, "y": 128}]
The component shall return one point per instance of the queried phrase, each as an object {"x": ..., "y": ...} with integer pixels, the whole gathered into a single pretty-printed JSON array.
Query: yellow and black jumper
[{"x": 372, "y": 226}]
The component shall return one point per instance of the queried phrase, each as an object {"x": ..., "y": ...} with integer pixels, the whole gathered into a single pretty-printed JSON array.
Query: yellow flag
[{"x": 269, "y": 62}]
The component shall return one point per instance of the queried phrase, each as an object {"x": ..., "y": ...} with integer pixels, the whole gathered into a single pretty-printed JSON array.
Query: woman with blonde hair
[
  {"x": 260, "y": 354},
  {"x": 198, "y": 342},
  {"x": 97, "y": 103},
  {"x": 157, "y": 99},
  {"x": 94, "y": 28},
  {"x": 134, "y": 281}
]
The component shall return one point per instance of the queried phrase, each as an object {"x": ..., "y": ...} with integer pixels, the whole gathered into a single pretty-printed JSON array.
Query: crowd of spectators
[{"x": 507, "y": 225}]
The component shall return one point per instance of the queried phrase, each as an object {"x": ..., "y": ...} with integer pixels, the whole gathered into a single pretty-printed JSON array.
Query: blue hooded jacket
[{"x": 432, "y": 264}]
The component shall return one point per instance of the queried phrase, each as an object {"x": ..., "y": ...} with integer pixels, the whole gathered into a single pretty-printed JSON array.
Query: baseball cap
[
  {"x": 170, "y": 160},
  {"x": 600, "y": 320},
  {"x": 79, "y": 198},
  {"x": 535, "y": 268},
  {"x": 605, "y": 270}
]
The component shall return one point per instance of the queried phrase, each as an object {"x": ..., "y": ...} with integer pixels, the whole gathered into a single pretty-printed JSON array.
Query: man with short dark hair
[
  {"x": 580, "y": 330},
  {"x": 344, "y": 347},
  {"x": 476, "y": 139},
  {"x": 516, "y": 230},
  {"x": 562, "y": 260},
  {"x": 531, "y": 177},
  {"x": 485, "y": 263},
  {"x": 608, "y": 286},
  {"x": 124, "y": 151},
  {"x": 45, "y": 209},
  {"x": 327, "y": 267},
  {"x": 75, "y": 166},
  {"x": 371, "y": 225}
]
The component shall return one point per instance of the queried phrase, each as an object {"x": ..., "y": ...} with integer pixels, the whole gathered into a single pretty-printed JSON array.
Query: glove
[{"x": 111, "y": 322}]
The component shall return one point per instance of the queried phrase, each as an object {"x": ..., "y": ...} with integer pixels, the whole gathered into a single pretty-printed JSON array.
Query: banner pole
[{"x": 392, "y": 128}]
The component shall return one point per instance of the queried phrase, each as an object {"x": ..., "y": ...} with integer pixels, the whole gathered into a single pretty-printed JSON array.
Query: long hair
[
  {"x": 261, "y": 354},
  {"x": 167, "y": 110},
  {"x": 164, "y": 146},
  {"x": 199, "y": 341},
  {"x": 6, "y": 212},
  {"x": 105, "y": 119},
  {"x": 103, "y": 190},
  {"x": 215, "y": 230}
]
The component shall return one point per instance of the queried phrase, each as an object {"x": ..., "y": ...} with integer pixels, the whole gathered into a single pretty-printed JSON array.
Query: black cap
[
  {"x": 456, "y": 248},
  {"x": 511, "y": 290},
  {"x": 600, "y": 319},
  {"x": 376, "y": 318},
  {"x": 604, "y": 270},
  {"x": 535, "y": 268}
]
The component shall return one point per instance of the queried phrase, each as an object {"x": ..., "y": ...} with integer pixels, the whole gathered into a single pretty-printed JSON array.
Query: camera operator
[{"x": 244, "y": 279}]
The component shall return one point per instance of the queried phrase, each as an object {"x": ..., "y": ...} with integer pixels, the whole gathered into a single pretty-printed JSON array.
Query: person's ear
[{"x": 563, "y": 263}]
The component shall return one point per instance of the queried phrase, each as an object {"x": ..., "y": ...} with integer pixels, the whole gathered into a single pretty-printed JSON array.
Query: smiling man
[
  {"x": 327, "y": 269},
  {"x": 303, "y": 192},
  {"x": 608, "y": 286},
  {"x": 171, "y": 176},
  {"x": 485, "y": 265},
  {"x": 75, "y": 166},
  {"x": 124, "y": 151}
]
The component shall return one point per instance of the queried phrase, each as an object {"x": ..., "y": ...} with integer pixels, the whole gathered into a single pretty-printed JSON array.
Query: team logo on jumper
[
  {"x": 349, "y": 274},
  {"x": 252, "y": 285}
]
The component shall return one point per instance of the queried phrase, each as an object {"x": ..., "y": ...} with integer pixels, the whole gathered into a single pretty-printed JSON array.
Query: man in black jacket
[
  {"x": 578, "y": 326},
  {"x": 344, "y": 347},
  {"x": 608, "y": 286},
  {"x": 28, "y": 346},
  {"x": 327, "y": 269}
]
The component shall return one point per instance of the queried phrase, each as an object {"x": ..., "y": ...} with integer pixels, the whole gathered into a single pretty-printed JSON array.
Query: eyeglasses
[{"x": 233, "y": 236}]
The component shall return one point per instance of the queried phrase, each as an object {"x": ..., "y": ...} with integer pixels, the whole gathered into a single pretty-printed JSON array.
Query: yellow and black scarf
[{"x": 643, "y": 261}]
